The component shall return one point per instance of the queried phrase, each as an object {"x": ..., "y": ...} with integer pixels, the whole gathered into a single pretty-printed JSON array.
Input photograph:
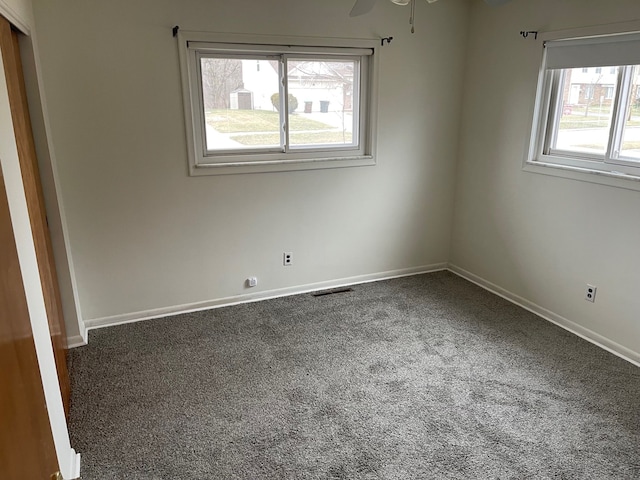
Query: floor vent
[{"x": 332, "y": 291}]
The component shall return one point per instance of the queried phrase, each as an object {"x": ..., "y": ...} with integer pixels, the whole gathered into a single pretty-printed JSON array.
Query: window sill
[
  {"x": 612, "y": 179},
  {"x": 281, "y": 165}
]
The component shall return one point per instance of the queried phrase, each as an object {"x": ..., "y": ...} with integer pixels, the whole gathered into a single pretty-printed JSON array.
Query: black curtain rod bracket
[{"x": 175, "y": 30}]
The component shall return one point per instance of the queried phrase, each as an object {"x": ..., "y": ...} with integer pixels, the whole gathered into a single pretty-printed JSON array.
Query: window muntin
[
  {"x": 277, "y": 107},
  {"x": 588, "y": 107}
]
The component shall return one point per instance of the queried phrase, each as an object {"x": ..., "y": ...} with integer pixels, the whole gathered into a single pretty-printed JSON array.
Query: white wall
[
  {"x": 144, "y": 235},
  {"x": 76, "y": 334},
  {"x": 540, "y": 237}
]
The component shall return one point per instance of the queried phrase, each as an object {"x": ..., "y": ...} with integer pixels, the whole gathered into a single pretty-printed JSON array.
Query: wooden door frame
[
  {"x": 12, "y": 64},
  {"x": 68, "y": 460},
  {"x": 26, "y": 441}
]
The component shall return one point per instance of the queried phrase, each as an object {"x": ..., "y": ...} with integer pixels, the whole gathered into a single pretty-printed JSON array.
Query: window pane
[
  {"x": 323, "y": 102},
  {"x": 240, "y": 103},
  {"x": 630, "y": 148},
  {"x": 584, "y": 115}
]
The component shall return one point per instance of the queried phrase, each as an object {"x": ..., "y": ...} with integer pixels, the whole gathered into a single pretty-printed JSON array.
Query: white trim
[
  {"x": 291, "y": 48},
  {"x": 281, "y": 165},
  {"x": 255, "y": 297},
  {"x": 582, "y": 332},
  {"x": 612, "y": 178},
  {"x": 14, "y": 18},
  {"x": 258, "y": 39},
  {"x": 74, "y": 466},
  {"x": 76, "y": 341}
]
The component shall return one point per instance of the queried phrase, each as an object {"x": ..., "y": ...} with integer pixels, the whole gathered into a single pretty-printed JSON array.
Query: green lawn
[
  {"x": 595, "y": 108},
  {"x": 625, "y": 146},
  {"x": 573, "y": 122},
  {"x": 580, "y": 121},
  {"x": 243, "y": 121},
  {"x": 309, "y": 138},
  {"x": 577, "y": 119}
]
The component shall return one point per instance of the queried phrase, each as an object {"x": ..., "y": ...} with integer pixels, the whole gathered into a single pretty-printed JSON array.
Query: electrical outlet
[
  {"x": 252, "y": 281},
  {"x": 287, "y": 259},
  {"x": 590, "y": 294}
]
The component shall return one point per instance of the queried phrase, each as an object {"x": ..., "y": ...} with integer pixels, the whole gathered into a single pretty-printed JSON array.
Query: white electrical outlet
[
  {"x": 287, "y": 259},
  {"x": 252, "y": 281},
  {"x": 590, "y": 294}
]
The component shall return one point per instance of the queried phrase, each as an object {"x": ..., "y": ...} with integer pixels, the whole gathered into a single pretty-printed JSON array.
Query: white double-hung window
[
  {"x": 256, "y": 104},
  {"x": 587, "y": 114}
]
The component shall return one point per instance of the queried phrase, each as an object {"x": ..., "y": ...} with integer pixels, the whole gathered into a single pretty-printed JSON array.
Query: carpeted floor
[{"x": 424, "y": 377}]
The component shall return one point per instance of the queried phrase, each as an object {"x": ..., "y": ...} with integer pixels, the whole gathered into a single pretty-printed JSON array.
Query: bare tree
[
  {"x": 220, "y": 77},
  {"x": 592, "y": 89}
]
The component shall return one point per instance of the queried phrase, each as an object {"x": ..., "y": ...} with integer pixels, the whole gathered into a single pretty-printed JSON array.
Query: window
[
  {"x": 588, "y": 92},
  {"x": 271, "y": 104},
  {"x": 589, "y": 122},
  {"x": 608, "y": 92}
]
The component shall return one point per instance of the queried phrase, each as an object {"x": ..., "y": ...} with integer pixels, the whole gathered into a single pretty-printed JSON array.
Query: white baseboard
[
  {"x": 589, "y": 335},
  {"x": 76, "y": 341},
  {"x": 79, "y": 340},
  {"x": 254, "y": 297},
  {"x": 73, "y": 471}
]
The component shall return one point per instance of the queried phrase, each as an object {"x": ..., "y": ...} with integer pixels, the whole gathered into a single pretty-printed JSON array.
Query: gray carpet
[{"x": 414, "y": 378}]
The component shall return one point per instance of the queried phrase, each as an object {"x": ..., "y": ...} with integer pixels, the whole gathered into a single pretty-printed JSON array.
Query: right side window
[{"x": 588, "y": 105}]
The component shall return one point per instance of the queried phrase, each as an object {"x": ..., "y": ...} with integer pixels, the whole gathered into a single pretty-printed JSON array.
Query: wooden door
[
  {"x": 35, "y": 200},
  {"x": 26, "y": 443}
]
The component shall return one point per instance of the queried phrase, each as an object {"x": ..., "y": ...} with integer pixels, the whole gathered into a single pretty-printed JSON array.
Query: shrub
[{"x": 293, "y": 102}]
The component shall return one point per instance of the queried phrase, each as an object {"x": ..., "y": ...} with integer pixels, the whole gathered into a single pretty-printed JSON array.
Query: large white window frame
[
  {"x": 584, "y": 48},
  {"x": 193, "y": 46}
]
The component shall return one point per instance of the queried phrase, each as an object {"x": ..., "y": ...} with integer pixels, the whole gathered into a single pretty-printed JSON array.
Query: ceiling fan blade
[
  {"x": 361, "y": 7},
  {"x": 496, "y": 3}
]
